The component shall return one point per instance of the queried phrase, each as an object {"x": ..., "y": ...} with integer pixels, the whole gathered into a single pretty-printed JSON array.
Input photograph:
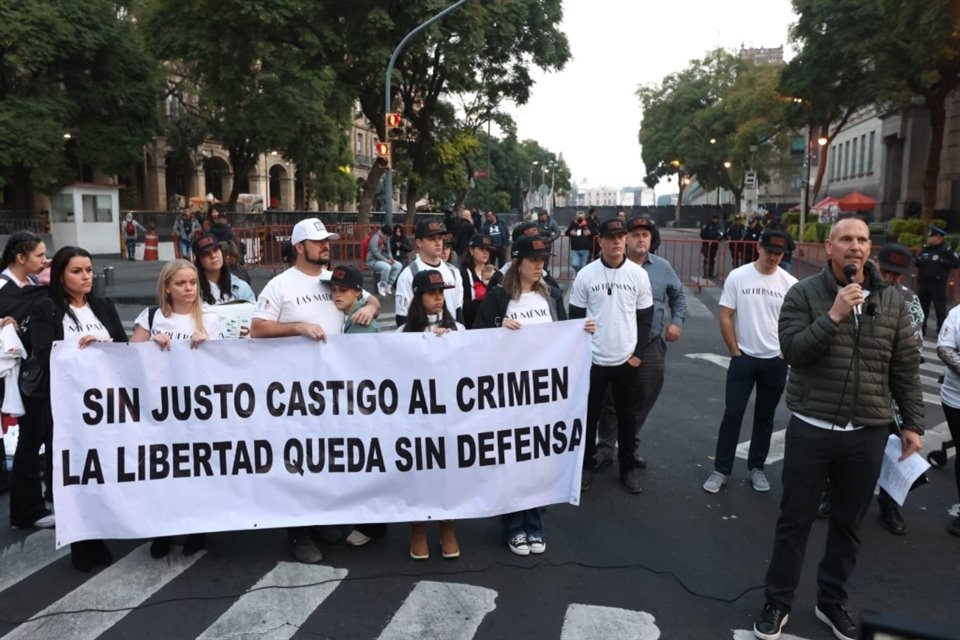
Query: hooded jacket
[{"x": 839, "y": 376}]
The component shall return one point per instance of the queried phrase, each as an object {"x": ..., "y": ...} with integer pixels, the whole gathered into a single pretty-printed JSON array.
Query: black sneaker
[
  {"x": 836, "y": 617},
  {"x": 954, "y": 528},
  {"x": 771, "y": 622},
  {"x": 892, "y": 518},
  {"x": 586, "y": 478},
  {"x": 630, "y": 479}
]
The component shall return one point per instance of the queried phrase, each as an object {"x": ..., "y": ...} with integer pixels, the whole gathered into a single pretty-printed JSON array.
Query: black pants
[
  {"x": 851, "y": 459},
  {"x": 709, "y": 251},
  {"x": 623, "y": 383},
  {"x": 769, "y": 375},
  {"x": 650, "y": 383},
  {"x": 4, "y": 477},
  {"x": 933, "y": 290},
  {"x": 953, "y": 423},
  {"x": 26, "y": 490}
]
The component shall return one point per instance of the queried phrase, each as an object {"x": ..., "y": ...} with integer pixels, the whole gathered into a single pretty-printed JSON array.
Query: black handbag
[{"x": 33, "y": 379}]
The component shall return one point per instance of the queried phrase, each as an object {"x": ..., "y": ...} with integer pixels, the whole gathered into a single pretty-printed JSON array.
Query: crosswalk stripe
[
  {"x": 744, "y": 634},
  {"x": 583, "y": 622},
  {"x": 127, "y": 583},
  {"x": 777, "y": 444},
  {"x": 35, "y": 552},
  {"x": 277, "y": 614},
  {"x": 441, "y": 610},
  {"x": 695, "y": 308}
]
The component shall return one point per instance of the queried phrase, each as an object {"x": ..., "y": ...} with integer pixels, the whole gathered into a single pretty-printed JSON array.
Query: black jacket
[
  {"x": 46, "y": 325},
  {"x": 470, "y": 304},
  {"x": 494, "y": 307}
]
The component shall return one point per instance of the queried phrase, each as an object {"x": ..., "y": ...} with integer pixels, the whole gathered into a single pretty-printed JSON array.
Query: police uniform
[
  {"x": 711, "y": 234},
  {"x": 935, "y": 261}
]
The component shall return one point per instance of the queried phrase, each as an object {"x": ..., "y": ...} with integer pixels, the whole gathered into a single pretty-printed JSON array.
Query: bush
[
  {"x": 939, "y": 222},
  {"x": 952, "y": 240},
  {"x": 896, "y": 227},
  {"x": 912, "y": 240},
  {"x": 791, "y": 218},
  {"x": 793, "y": 229}
]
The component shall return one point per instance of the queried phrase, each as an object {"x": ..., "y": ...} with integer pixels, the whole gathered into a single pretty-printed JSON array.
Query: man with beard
[
  {"x": 643, "y": 237},
  {"x": 298, "y": 302}
]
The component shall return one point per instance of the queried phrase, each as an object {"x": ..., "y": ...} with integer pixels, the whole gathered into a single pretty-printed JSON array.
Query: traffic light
[
  {"x": 393, "y": 121},
  {"x": 383, "y": 151}
]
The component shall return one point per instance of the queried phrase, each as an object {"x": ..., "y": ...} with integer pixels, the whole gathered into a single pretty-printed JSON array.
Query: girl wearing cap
[
  {"x": 475, "y": 284},
  {"x": 524, "y": 298},
  {"x": 71, "y": 314},
  {"x": 217, "y": 284},
  {"x": 428, "y": 313},
  {"x": 178, "y": 317}
]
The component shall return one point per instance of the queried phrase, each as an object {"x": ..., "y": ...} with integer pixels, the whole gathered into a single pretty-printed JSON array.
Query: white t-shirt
[
  {"x": 294, "y": 296},
  {"x": 13, "y": 278},
  {"x": 612, "y": 297},
  {"x": 179, "y": 326},
  {"x": 757, "y": 299},
  {"x": 404, "y": 286},
  {"x": 950, "y": 338},
  {"x": 531, "y": 308},
  {"x": 90, "y": 325}
]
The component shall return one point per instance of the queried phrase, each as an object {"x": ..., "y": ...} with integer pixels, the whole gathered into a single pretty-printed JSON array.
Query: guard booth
[{"x": 86, "y": 215}]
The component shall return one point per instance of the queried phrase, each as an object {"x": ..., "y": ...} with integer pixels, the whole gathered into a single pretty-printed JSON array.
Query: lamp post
[
  {"x": 530, "y": 185},
  {"x": 388, "y": 178}
]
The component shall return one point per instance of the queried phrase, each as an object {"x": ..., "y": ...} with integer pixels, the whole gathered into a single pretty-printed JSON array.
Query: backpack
[
  {"x": 131, "y": 228},
  {"x": 365, "y": 248}
]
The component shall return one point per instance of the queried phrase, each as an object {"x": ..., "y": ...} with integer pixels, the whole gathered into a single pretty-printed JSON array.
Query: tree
[
  {"x": 482, "y": 53},
  {"x": 77, "y": 68},
  {"x": 259, "y": 77},
  {"x": 919, "y": 54}
]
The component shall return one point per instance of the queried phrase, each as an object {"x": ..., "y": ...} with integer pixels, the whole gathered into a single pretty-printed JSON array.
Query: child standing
[{"x": 346, "y": 291}]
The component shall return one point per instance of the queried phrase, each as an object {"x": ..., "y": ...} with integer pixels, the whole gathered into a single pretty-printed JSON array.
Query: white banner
[{"x": 254, "y": 434}]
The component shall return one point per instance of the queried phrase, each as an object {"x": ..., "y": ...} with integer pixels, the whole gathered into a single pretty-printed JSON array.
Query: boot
[
  {"x": 891, "y": 516},
  {"x": 449, "y": 548},
  {"x": 419, "y": 548}
]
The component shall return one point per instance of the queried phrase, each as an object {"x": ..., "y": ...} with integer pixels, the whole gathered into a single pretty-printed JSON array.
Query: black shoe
[
  {"x": 160, "y": 547},
  {"x": 640, "y": 463},
  {"x": 101, "y": 554},
  {"x": 893, "y": 519},
  {"x": 586, "y": 478},
  {"x": 770, "y": 622},
  {"x": 630, "y": 479},
  {"x": 823, "y": 509},
  {"x": 81, "y": 556},
  {"x": 836, "y": 617},
  {"x": 602, "y": 465},
  {"x": 193, "y": 543},
  {"x": 954, "y": 528}
]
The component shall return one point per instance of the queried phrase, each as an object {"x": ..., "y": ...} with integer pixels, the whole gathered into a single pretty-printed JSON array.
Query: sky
[{"x": 589, "y": 110}]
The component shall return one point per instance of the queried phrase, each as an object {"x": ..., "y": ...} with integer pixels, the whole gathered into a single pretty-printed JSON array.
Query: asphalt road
[{"x": 672, "y": 562}]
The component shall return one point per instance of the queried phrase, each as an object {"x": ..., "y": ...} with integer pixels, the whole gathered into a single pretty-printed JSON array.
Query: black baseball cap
[
  {"x": 428, "y": 228},
  {"x": 347, "y": 276},
  {"x": 204, "y": 243},
  {"x": 640, "y": 222},
  {"x": 429, "y": 280},
  {"x": 525, "y": 229},
  {"x": 481, "y": 240},
  {"x": 529, "y": 247},
  {"x": 776, "y": 241},
  {"x": 613, "y": 227},
  {"x": 895, "y": 257}
]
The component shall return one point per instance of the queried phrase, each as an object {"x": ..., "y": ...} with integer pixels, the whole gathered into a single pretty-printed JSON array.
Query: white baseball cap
[{"x": 311, "y": 229}]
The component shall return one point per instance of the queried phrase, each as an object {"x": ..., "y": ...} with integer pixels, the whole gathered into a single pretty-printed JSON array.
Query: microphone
[{"x": 850, "y": 271}]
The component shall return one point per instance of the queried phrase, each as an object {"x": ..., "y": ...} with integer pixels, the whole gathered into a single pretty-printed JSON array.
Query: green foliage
[
  {"x": 77, "y": 67},
  {"x": 791, "y": 217},
  {"x": 912, "y": 240}
]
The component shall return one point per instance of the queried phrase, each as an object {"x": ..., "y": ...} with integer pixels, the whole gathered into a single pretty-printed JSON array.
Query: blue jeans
[
  {"x": 131, "y": 248},
  {"x": 184, "y": 249},
  {"x": 386, "y": 273},
  {"x": 529, "y": 522},
  {"x": 770, "y": 376},
  {"x": 579, "y": 259}
]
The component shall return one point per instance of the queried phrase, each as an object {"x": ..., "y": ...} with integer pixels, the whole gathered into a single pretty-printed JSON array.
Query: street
[{"x": 672, "y": 562}]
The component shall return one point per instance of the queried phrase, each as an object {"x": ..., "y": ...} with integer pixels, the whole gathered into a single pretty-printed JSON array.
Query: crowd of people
[{"x": 843, "y": 345}]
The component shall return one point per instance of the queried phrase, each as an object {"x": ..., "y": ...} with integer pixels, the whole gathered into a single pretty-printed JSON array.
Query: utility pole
[{"x": 388, "y": 177}]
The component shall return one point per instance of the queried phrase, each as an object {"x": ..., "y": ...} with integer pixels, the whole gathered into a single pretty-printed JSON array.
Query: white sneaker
[
  {"x": 357, "y": 538},
  {"x": 715, "y": 482},
  {"x": 537, "y": 545},
  {"x": 759, "y": 480},
  {"x": 518, "y": 544},
  {"x": 46, "y": 522},
  {"x": 382, "y": 289}
]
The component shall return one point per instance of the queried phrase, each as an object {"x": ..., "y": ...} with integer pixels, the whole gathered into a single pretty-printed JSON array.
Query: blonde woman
[{"x": 179, "y": 316}]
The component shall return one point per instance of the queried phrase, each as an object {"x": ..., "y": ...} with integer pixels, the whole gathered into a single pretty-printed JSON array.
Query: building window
[
  {"x": 97, "y": 209},
  {"x": 873, "y": 137},
  {"x": 832, "y": 162},
  {"x": 61, "y": 208},
  {"x": 846, "y": 159},
  {"x": 853, "y": 159},
  {"x": 863, "y": 153}
]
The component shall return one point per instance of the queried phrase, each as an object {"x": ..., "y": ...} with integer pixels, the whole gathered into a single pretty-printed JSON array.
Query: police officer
[
  {"x": 711, "y": 233},
  {"x": 933, "y": 264},
  {"x": 751, "y": 235}
]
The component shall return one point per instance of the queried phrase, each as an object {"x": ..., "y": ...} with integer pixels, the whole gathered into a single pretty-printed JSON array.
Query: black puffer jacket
[{"x": 839, "y": 377}]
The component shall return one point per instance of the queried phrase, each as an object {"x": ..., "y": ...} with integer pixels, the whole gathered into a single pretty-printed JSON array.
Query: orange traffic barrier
[{"x": 151, "y": 249}]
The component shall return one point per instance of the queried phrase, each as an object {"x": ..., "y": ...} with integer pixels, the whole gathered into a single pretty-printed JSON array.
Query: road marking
[
  {"x": 583, "y": 622},
  {"x": 695, "y": 308},
  {"x": 743, "y": 634},
  {"x": 277, "y": 614},
  {"x": 20, "y": 560},
  {"x": 127, "y": 583},
  {"x": 715, "y": 358},
  {"x": 441, "y": 610},
  {"x": 777, "y": 442}
]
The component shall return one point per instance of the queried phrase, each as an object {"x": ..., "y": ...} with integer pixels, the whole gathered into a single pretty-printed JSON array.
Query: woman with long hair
[
  {"x": 178, "y": 316},
  {"x": 428, "y": 313},
  {"x": 478, "y": 275},
  {"x": 524, "y": 299},
  {"x": 217, "y": 284},
  {"x": 400, "y": 245},
  {"x": 72, "y": 314},
  {"x": 24, "y": 257}
]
